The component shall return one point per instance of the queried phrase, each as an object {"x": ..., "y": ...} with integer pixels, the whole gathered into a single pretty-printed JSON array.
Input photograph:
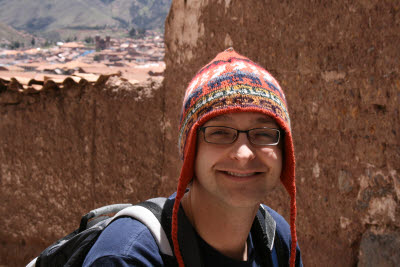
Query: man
[{"x": 236, "y": 145}]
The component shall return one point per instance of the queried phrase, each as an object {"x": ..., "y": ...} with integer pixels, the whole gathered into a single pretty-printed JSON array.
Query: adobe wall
[
  {"x": 339, "y": 66},
  {"x": 66, "y": 150}
]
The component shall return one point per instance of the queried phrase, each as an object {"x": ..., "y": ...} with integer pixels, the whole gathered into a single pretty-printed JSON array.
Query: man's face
[{"x": 239, "y": 174}]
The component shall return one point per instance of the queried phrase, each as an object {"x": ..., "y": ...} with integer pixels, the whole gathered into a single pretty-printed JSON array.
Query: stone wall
[
  {"x": 67, "y": 150},
  {"x": 339, "y": 66}
]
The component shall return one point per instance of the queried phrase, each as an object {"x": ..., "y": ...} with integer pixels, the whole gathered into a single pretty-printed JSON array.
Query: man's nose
[{"x": 242, "y": 149}]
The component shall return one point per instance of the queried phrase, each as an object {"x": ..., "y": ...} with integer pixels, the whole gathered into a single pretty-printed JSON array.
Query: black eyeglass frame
[{"x": 203, "y": 129}]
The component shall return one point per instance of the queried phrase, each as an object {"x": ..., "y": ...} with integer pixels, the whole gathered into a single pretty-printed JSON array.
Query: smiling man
[{"x": 236, "y": 144}]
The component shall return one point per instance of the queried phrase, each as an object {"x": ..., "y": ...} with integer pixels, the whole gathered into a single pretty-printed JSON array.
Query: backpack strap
[
  {"x": 97, "y": 215},
  {"x": 149, "y": 213},
  {"x": 263, "y": 232},
  {"x": 274, "y": 252},
  {"x": 188, "y": 244},
  {"x": 282, "y": 253},
  {"x": 187, "y": 237},
  {"x": 268, "y": 225}
]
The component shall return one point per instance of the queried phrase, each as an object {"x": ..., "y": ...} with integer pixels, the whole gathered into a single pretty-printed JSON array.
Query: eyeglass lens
[{"x": 225, "y": 135}]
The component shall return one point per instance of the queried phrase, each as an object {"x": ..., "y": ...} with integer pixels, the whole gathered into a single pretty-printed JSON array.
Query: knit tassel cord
[
  {"x": 293, "y": 228},
  {"x": 184, "y": 179}
]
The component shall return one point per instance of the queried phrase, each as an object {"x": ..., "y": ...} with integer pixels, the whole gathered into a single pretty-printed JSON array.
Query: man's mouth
[{"x": 241, "y": 174}]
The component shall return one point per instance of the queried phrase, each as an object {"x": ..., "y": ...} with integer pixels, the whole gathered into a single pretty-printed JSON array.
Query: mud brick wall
[
  {"x": 338, "y": 63},
  {"x": 65, "y": 151}
]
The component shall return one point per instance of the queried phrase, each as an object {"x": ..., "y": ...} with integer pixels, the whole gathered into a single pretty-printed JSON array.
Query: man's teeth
[{"x": 241, "y": 174}]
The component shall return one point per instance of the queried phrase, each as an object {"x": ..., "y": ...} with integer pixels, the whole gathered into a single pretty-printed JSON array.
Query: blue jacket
[{"x": 127, "y": 242}]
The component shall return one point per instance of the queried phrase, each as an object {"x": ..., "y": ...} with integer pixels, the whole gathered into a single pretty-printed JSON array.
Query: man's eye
[
  {"x": 219, "y": 132},
  {"x": 264, "y": 135}
]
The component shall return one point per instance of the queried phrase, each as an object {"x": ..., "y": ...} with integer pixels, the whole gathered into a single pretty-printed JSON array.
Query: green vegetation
[
  {"x": 10, "y": 37},
  {"x": 132, "y": 32},
  {"x": 96, "y": 58},
  {"x": 48, "y": 44},
  {"x": 149, "y": 14},
  {"x": 89, "y": 40},
  {"x": 16, "y": 45},
  {"x": 140, "y": 33}
]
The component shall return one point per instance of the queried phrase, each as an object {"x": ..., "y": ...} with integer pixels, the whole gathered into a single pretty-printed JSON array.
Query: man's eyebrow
[
  {"x": 220, "y": 118},
  {"x": 265, "y": 120},
  {"x": 258, "y": 120}
]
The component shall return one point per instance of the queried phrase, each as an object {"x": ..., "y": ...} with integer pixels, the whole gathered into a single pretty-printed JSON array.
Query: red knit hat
[{"x": 232, "y": 83}]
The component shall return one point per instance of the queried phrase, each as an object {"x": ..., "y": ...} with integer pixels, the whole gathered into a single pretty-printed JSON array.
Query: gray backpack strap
[
  {"x": 263, "y": 234},
  {"x": 97, "y": 215},
  {"x": 149, "y": 213},
  {"x": 269, "y": 227},
  {"x": 32, "y": 263},
  {"x": 160, "y": 201}
]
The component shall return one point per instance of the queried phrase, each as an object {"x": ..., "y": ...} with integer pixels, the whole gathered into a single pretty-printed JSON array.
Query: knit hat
[{"x": 232, "y": 83}]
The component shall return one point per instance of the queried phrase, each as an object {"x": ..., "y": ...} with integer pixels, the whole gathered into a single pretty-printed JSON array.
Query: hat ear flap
[
  {"x": 233, "y": 83},
  {"x": 185, "y": 177}
]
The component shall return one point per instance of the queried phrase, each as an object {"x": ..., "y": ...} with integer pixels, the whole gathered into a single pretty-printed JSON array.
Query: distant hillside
[
  {"x": 54, "y": 15},
  {"x": 9, "y": 35}
]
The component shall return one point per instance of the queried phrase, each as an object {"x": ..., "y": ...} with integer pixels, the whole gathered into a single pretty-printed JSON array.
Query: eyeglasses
[{"x": 227, "y": 135}]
